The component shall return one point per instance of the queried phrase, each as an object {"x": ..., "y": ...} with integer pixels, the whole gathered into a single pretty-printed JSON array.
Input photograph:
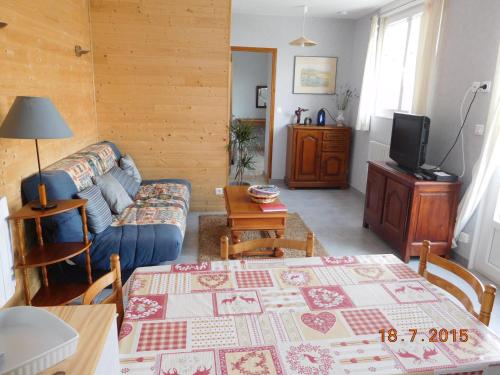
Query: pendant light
[{"x": 303, "y": 41}]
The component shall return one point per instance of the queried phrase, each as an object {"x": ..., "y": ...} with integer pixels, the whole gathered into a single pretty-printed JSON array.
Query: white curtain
[
  {"x": 426, "y": 55},
  {"x": 488, "y": 162},
  {"x": 368, "y": 88}
]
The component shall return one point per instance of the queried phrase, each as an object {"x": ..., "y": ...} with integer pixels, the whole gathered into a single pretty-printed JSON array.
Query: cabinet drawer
[
  {"x": 335, "y": 135},
  {"x": 334, "y": 146}
]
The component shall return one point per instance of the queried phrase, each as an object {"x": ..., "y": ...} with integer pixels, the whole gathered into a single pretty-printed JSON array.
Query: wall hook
[
  {"x": 80, "y": 51},
  {"x": 3, "y": 24}
]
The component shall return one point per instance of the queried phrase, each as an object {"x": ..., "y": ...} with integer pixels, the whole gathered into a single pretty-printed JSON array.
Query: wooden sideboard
[
  {"x": 405, "y": 211},
  {"x": 317, "y": 156}
]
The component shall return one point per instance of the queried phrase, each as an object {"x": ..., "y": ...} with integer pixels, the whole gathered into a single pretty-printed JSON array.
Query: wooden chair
[
  {"x": 485, "y": 294},
  {"x": 251, "y": 247},
  {"x": 114, "y": 277}
]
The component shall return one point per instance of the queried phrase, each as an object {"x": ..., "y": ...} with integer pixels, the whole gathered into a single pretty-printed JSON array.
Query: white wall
[
  {"x": 249, "y": 69},
  {"x": 335, "y": 38},
  {"x": 471, "y": 37}
]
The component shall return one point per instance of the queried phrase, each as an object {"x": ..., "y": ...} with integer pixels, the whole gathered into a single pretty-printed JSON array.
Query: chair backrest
[
  {"x": 485, "y": 293},
  {"x": 273, "y": 243},
  {"x": 111, "y": 278}
]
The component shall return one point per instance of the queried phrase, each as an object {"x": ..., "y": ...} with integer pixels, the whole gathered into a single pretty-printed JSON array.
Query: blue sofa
[{"x": 149, "y": 232}]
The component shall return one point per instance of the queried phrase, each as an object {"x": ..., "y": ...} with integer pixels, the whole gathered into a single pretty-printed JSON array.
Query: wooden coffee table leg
[
  {"x": 278, "y": 252},
  {"x": 236, "y": 237}
]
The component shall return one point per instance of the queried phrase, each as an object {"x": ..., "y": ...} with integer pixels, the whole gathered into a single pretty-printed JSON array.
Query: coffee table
[{"x": 245, "y": 215}]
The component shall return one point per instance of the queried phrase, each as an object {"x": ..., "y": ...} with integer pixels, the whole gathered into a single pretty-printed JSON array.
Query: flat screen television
[{"x": 410, "y": 134}]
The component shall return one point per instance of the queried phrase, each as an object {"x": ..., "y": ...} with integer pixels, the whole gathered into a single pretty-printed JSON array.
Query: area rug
[{"x": 212, "y": 227}]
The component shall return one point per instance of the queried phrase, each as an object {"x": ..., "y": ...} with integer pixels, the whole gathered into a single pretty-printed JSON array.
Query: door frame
[{"x": 270, "y": 136}]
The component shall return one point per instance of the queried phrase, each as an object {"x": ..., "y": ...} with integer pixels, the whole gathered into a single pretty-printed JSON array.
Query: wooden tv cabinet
[{"x": 405, "y": 211}]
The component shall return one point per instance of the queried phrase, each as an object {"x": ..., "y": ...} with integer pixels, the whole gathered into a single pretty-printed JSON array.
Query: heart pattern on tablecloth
[
  {"x": 321, "y": 322},
  {"x": 370, "y": 272},
  {"x": 213, "y": 280}
]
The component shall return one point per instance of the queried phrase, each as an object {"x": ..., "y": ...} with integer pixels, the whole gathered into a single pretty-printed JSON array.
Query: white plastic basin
[{"x": 32, "y": 340}]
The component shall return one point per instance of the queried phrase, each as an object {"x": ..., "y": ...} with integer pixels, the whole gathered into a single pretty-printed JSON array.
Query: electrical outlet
[
  {"x": 479, "y": 129},
  {"x": 476, "y": 84},
  {"x": 463, "y": 237},
  {"x": 219, "y": 191},
  {"x": 488, "y": 86}
]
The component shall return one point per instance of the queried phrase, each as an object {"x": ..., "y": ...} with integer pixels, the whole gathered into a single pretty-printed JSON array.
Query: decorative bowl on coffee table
[{"x": 263, "y": 194}]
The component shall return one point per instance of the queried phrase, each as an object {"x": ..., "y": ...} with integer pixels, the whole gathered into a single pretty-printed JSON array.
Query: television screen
[{"x": 409, "y": 140}]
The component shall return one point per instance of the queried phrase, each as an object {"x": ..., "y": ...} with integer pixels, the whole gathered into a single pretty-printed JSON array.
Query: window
[{"x": 398, "y": 44}]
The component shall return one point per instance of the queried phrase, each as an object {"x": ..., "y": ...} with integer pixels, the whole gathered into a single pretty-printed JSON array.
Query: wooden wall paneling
[
  {"x": 37, "y": 58},
  {"x": 162, "y": 87}
]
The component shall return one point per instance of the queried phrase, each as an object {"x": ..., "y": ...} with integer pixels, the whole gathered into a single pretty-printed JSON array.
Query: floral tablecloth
[{"x": 310, "y": 316}]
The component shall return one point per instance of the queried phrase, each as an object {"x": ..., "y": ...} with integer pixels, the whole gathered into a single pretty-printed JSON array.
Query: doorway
[{"x": 253, "y": 82}]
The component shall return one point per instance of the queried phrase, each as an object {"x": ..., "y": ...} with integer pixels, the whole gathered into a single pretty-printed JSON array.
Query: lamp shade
[
  {"x": 303, "y": 42},
  {"x": 33, "y": 117}
]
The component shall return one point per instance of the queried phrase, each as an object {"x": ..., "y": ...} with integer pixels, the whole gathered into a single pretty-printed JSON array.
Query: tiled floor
[{"x": 335, "y": 216}]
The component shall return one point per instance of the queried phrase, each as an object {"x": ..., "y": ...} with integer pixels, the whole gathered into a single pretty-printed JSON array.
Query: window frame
[{"x": 386, "y": 19}]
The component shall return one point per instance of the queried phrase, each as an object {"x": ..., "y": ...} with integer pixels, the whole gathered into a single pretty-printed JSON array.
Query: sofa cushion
[
  {"x": 144, "y": 241},
  {"x": 130, "y": 185},
  {"x": 113, "y": 192},
  {"x": 98, "y": 212},
  {"x": 94, "y": 160},
  {"x": 128, "y": 165},
  {"x": 158, "y": 203}
]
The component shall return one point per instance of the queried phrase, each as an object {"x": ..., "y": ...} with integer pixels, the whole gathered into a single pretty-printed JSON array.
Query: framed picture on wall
[
  {"x": 261, "y": 97},
  {"x": 314, "y": 75}
]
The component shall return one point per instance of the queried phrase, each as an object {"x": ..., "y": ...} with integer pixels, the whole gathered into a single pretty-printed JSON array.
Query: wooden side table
[
  {"x": 245, "y": 215},
  {"x": 44, "y": 254}
]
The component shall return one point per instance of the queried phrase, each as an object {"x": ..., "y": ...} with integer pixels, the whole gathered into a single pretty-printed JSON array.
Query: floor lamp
[{"x": 35, "y": 118}]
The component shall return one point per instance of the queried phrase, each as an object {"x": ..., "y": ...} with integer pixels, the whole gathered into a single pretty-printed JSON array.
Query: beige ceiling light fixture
[{"x": 303, "y": 41}]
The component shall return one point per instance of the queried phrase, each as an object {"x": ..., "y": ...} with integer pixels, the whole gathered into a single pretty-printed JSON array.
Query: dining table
[{"x": 364, "y": 314}]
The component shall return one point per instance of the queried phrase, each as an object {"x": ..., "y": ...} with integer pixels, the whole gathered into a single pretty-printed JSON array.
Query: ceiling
[{"x": 317, "y": 8}]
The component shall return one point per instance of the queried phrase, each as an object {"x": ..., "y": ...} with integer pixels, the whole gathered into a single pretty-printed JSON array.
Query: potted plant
[{"x": 240, "y": 147}]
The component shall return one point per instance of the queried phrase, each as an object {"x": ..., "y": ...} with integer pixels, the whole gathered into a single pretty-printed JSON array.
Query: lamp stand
[{"x": 42, "y": 203}]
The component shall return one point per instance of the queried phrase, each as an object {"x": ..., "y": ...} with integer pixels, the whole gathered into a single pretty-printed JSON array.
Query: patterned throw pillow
[
  {"x": 128, "y": 165},
  {"x": 113, "y": 192},
  {"x": 130, "y": 185},
  {"x": 98, "y": 213}
]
